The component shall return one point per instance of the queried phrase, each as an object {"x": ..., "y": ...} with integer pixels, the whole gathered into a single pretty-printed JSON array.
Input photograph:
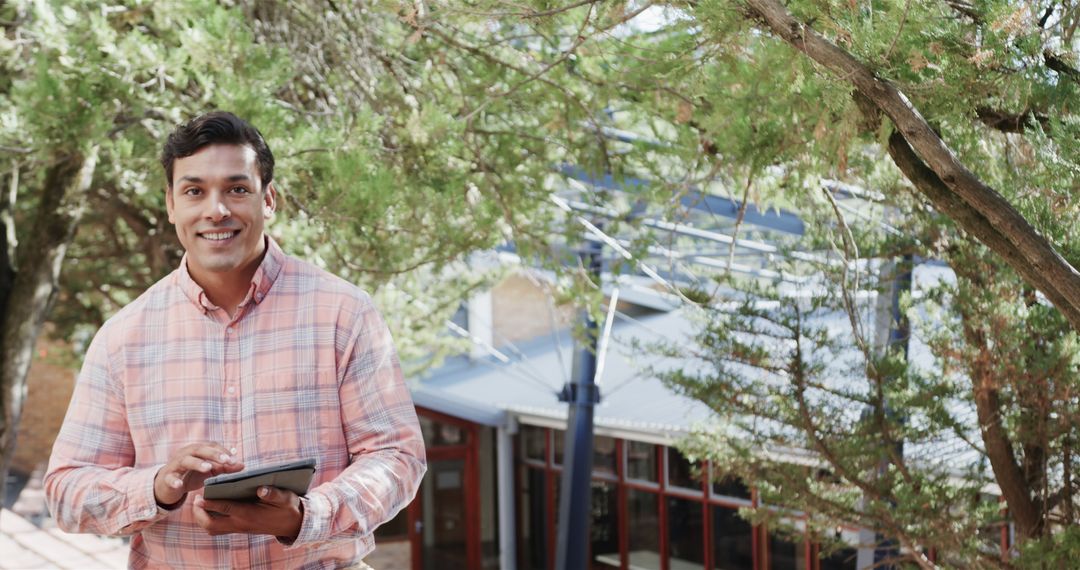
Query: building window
[
  {"x": 731, "y": 488},
  {"x": 604, "y": 530},
  {"x": 558, "y": 445},
  {"x": 843, "y": 559},
  {"x": 682, "y": 474},
  {"x": 533, "y": 443},
  {"x": 532, "y": 536},
  {"x": 438, "y": 433},
  {"x": 604, "y": 459},
  {"x": 643, "y": 525},
  {"x": 657, "y": 503},
  {"x": 686, "y": 532},
  {"x": 784, "y": 554},
  {"x": 641, "y": 461},
  {"x": 733, "y": 540}
]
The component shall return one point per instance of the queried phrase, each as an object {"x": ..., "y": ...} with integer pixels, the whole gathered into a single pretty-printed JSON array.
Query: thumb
[{"x": 274, "y": 496}]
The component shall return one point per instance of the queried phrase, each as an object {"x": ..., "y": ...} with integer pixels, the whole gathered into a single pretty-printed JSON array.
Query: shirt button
[
  {"x": 230, "y": 330},
  {"x": 232, "y": 389}
]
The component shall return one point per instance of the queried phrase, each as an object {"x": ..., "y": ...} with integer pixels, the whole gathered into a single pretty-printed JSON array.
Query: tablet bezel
[{"x": 294, "y": 476}]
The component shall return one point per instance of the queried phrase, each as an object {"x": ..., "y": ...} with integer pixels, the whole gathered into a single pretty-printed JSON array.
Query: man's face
[{"x": 218, "y": 208}]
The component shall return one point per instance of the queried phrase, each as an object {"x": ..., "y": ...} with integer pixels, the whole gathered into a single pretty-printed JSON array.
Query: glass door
[
  {"x": 445, "y": 515},
  {"x": 444, "y": 527}
]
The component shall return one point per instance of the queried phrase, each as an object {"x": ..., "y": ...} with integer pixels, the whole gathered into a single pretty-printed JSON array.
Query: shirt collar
[{"x": 264, "y": 278}]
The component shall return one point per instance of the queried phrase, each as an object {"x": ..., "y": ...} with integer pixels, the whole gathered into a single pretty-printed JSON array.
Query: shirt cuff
[
  {"x": 142, "y": 507},
  {"x": 314, "y": 528}
]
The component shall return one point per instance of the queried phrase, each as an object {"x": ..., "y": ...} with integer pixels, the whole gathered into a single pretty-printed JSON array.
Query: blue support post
[
  {"x": 572, "y": 545},
  {"x": 887, "y": 548}
]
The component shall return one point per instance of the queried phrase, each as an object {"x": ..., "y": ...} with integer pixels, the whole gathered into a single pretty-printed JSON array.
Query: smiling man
[{"x": 242, "y": 357}]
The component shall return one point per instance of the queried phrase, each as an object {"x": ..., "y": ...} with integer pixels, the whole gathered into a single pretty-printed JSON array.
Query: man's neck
[
  {"x": 227, "y": 289},
  {"x": 224, "y": 290}
]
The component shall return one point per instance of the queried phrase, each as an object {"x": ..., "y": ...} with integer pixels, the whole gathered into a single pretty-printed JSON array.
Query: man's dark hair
[{"x": 216, "y": 127}]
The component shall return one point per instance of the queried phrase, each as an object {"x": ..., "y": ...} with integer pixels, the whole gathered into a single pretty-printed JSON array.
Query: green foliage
[
  {"x": 386, "y": 189},
  {"x": 719, "y": 103},
  {"x": 1057, "y": 551},
  {"x": 409, "y": 135}
]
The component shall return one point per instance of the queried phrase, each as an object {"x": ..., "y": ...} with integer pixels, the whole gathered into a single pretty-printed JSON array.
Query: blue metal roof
[
  {"x": 779, "y": 220},
  {"x": 631, "y": 400},
  {"x": 634, "y": 404}
]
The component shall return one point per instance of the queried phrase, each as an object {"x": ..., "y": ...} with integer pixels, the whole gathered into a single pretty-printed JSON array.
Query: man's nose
[{"x": 217, "y": 210}]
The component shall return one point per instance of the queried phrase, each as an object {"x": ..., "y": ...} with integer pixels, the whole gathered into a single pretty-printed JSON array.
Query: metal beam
[{"x": 708, "y": 235}]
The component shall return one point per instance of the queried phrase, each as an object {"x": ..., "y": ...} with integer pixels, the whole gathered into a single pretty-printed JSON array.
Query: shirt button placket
[{"x": 231, "y": 407}]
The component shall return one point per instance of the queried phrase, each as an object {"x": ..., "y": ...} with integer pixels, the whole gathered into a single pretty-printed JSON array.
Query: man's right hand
[{"x": 189, "y": 467}]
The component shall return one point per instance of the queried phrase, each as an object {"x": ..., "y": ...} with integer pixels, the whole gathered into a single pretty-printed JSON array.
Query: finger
[
  {"x": 194, "y": 481},
  {"x": 275, "y": 496},
  {"x": 221, "y": 507},
  {"x": 196, "y": 464},
  {"x": 211, "y": 509},
  {"x": 202, "y": 517},
  {"x": 175, "y": 477},
  {"x": 215, "y": 453},
  {"x": 229, "y": 468}
]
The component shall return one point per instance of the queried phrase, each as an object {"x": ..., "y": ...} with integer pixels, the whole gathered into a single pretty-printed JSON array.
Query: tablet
[{"x": 294, "y": 476}]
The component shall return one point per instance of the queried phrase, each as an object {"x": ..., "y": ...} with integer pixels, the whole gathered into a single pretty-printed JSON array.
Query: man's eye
[
  {"x": 239, "y": 190},
  {"x": 192, "y": 191}
]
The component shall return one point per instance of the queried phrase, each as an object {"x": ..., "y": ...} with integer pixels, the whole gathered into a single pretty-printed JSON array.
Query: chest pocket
[{"x": 297, "y": 416}]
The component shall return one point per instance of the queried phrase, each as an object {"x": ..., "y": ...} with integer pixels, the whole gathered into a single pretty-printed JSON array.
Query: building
[{"x": 494, "y": 432}]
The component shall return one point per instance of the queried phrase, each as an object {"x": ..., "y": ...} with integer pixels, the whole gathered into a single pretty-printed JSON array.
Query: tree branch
[
  {"x": 949, "y": 204},
  {"x": 1035, "y": 254},
  {"x": 1009, "y": 122},
  {"x": 1058, "y": 64},
  {"x": 156, "y": 242},
  {"x": 965, "y": 9}
]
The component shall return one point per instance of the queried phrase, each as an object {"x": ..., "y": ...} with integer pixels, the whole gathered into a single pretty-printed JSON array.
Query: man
[{"x": 242, "y": 357}]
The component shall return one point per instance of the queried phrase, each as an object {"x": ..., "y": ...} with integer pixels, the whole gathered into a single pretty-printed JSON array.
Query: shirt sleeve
[
  {"x": 91, "y": 485},
  {"x": 386, "y": 448}
]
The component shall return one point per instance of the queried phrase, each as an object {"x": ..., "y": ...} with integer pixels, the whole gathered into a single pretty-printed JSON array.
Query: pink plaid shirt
[{"x": 306, "y": 368}]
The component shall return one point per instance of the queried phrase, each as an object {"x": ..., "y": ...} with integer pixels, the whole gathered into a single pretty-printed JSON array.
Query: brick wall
[{"x": 520, "y": 311}]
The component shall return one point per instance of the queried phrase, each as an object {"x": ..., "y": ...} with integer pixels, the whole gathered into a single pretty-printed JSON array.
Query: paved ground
[
  {"x": 390, "y": 556},
  {"x": 23, "y": 545}
]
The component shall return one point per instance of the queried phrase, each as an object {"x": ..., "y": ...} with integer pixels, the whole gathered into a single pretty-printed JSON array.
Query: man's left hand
[{"x": 277, "y": 512}]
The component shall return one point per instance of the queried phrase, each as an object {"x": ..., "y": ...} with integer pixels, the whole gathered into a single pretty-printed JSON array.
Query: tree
[
  {"x": 87, "y": 94},
  {"x": 761, "y": 101},
  {"x": 471, "y": 109}
]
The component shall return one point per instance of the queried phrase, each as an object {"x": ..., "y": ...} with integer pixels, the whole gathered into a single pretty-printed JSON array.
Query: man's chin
[{"x": 217, "y": 265}]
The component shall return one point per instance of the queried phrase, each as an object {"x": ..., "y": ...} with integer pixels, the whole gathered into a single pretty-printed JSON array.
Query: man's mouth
[{"x": 219, "y": 236}]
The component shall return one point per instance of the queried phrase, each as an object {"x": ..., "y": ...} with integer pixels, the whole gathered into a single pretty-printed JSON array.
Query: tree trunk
[
  {"x": 1029, "y": 253},
  {"x": 28, "y": 297},
  {"x": 999, "y": 449}
]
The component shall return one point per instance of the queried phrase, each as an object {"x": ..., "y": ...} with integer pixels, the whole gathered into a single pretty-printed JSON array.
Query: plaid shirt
[{"x": 305, "y": 368}]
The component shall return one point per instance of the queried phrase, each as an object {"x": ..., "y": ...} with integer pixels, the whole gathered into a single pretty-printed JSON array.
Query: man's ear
[
  {"x": 169, "y": 204},
  {"x": 269, "y": 201}
]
